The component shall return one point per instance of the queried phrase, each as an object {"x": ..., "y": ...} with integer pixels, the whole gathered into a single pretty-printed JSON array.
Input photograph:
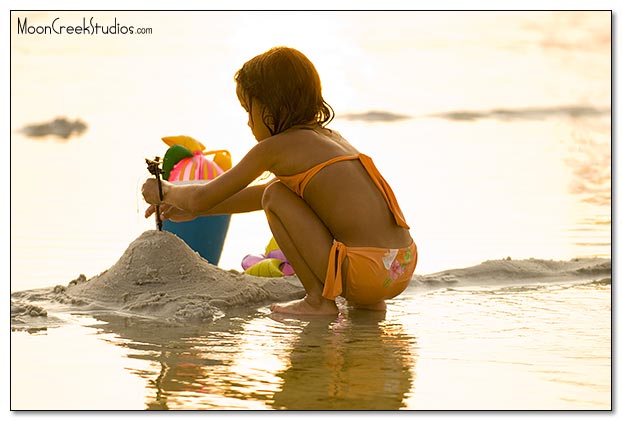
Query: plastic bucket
[{"x": 205, "y": 234}]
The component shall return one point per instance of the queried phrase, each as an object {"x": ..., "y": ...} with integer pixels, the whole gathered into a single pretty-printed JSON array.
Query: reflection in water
[
  {"x": 178, "y": 367},
  {"x": 357, "y": 361},
  {"x": 180, "y": 370}
]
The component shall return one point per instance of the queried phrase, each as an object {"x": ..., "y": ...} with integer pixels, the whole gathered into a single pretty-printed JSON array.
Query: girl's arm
[
  {"x": 246, "y": 200},
  {"x": 199, "y": 198}
]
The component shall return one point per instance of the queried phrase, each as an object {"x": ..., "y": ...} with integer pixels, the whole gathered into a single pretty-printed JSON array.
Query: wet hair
[{"x": 287, "y": 84}]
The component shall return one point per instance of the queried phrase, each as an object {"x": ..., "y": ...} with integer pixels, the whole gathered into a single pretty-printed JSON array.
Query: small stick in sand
[{"x": 154, "y": 169}]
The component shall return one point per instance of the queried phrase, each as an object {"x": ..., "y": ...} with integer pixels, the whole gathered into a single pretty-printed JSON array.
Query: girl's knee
[{"x": 272, "y": 194}]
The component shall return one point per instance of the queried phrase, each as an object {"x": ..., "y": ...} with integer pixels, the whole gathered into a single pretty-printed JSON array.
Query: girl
[{"x": 329, "y": 209}]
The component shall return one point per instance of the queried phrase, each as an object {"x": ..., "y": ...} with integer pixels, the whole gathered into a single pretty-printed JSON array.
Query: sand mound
[
  {"x": 160, "y": 276},
  {"x": 507, "y": 271}
]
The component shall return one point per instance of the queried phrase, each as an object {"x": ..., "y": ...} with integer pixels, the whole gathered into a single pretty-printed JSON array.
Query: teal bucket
[{"x": 205, "y": 234}]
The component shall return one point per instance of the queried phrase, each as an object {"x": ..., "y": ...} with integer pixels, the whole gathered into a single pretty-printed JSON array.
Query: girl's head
[{"x": 286, "y": 87}]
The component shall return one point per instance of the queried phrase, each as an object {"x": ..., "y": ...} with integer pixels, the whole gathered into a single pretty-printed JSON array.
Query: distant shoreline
[{"x": 524, "y": 113}]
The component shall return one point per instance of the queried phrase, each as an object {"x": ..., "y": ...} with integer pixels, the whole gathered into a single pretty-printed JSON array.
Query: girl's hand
[
  {"x": 170, "y": 212},
  {"x": 151, "y": 193}
]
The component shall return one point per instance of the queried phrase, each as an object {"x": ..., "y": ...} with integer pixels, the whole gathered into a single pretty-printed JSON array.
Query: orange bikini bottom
[{"x": 373, "y": 274}]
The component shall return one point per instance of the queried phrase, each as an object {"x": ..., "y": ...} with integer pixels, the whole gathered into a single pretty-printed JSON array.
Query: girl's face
[{"x": 255, "y": 122}]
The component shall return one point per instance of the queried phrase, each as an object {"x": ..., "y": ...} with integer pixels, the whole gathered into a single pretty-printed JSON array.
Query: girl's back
[{"x": 342, "y": 194}]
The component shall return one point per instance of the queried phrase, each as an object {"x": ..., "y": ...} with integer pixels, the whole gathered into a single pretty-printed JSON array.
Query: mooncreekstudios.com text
[{"x": 90, "y": 27}]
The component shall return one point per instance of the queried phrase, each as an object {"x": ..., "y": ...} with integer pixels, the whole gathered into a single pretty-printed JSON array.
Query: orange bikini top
[{"x": 298, "y": 182}]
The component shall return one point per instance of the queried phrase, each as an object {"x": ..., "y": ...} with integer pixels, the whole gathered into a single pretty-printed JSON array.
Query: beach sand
[{"x": 160, "y": 277}]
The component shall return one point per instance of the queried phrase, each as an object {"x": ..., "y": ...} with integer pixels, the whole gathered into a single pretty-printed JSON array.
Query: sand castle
[{"x": 159, "y": 276}]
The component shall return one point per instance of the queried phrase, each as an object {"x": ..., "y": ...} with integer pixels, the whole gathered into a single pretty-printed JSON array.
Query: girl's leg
[{"x": 306, "y": 242}]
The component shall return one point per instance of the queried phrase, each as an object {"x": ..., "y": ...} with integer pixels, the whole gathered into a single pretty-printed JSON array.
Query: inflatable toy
[
  {"x": 272, "y": 263},
  {"x": 173, "y": 155}
]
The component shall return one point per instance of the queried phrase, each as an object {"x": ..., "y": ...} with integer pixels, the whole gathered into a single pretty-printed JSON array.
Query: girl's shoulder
[
  {"x": 297, "y": 150},
  {"x": 318, "y": 138}
]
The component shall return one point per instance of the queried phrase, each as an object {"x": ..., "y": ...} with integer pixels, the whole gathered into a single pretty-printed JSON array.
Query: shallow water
[
  {"x": 537, "y": 346},
  {"x": 507, "y": 159}
]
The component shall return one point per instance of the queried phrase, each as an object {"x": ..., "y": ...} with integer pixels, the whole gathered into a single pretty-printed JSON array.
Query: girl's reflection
[
  {"x": 355, "y": 361},
  {"x": 358, "y": 361}
]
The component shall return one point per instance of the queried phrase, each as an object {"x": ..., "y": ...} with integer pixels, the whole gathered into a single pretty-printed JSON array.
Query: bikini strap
[
  {"x": 298, "y": 182},
  {"x": 308, "y": 175},
  {"x": 334, "y": 281},
  {"x": 385, "y": 189}
]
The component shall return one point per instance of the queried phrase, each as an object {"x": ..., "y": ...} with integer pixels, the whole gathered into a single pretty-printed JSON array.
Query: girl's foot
[{"x": 321, "y": 306}]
